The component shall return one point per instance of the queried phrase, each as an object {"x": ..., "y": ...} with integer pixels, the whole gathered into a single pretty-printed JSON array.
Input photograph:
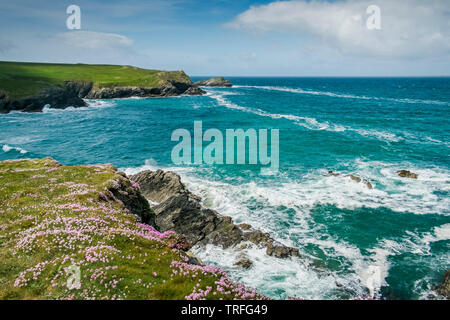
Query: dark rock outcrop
[
  {"x": 353, "y": 177},
  {"x": 195, "y": 261},
  {"x": 166, "y": 89},
  {"x": 181, "y": 211},
  {"x": 407, "y": 174},
  {"x": 244, "y": 262},
  {"x": 185, "y": 215},
  {"x": 72, "y": 93},
  {"x": 444, "y": 287},
  {"x": 122, "y": 189},
  {"x": 55, "y": 96},
  {"x": 161, "y": 185},
  {"x": 194, "y": 91},
  {"x": 214, "y": 82},
  {"x": 358, "y": 179}
]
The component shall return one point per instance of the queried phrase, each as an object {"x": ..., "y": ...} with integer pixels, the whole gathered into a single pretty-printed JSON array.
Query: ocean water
[{"x": 389, "y": 242}]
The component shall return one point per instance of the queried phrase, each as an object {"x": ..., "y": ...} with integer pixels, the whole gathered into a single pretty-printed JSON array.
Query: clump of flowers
[
  {"x": 70, "y": 218},
  {"x": 224, "y": 287}
]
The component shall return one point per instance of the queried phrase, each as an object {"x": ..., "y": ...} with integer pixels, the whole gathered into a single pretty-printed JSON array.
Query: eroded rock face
[
  {"x": 158, "y": 186},
  {"x": 181, "y": 211},
  {"x": 194, "y": 91},
  {"x": 72, "y": 93},
  {"x": 214, "y": 82},
  {"x": 444, "y": 287},
  {"x": 166, "y": 89},
  {"x": 407, "y": 174},
  {"x": 122, "y": 189},
  {"x": 56, "y": 97},
  {"x": 185, "y": 215}
]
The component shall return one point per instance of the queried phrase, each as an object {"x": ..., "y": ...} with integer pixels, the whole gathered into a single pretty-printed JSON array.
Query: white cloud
[
  {"x": 95, "y": 40},
  {"x": 409, "y": 28}
]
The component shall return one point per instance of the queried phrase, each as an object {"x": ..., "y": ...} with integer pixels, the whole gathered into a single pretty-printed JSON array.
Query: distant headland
[{"x": 29, "y": 87}]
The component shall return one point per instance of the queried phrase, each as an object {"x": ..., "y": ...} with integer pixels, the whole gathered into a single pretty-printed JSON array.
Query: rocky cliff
[
  {"x": 214, "y": 82},
  {"x": 72, "y": 93},
  {"x": 444, "y": 287},
  {"x": 180, "y": 210},
  {"x": 30, "y": 86},
  {"x": 57, "y": 97},
  {"x": 86, "y": 232}
]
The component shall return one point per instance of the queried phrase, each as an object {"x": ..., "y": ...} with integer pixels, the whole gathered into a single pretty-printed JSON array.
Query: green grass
[
  {"x": 53, "y": 217},
  {"x": 22, "y": 79}
]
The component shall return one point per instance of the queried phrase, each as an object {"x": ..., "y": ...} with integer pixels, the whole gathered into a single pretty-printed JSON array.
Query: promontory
[{"x": 29, "y": 87}]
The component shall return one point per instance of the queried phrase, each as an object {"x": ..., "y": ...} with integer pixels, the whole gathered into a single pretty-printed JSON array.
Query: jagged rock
[
  {"x": 257, "y": 237},
  {"x": 274, "y": 248},
  {"x": 72, "y": 93},
  {"x": 181, "y": 211},
  {"x": 244, "y": 263},
  {"x": 194, "y": 260},
  {"x": 56, "y": 96},
  {"x": 185, "y": 215},
  {"x": 444, "y": 287},
  {"x": 358, "y": 179},
  {"x": 407, "y": 174},
  {"x": 214, "y": 82},
  {"x": 281, "y": 251},
  {"x": 158, "y": 186},
  {"x": 245, "y": 226},
  {"x": 244, "y": 246},
  {"x": 194, "y": 91},
  {"x": 122, "y": 92},
  {"x": 133, "y": 200},
  {"x": 354, "y": 178},
  {"x": 79, "y": 88}
]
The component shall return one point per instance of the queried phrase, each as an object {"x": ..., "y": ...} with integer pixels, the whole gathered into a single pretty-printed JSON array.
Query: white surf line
[
  {"x": 309, "y": 123},
  {"x": 7, "y": 148},
  {"x": 347, "y": 96}
]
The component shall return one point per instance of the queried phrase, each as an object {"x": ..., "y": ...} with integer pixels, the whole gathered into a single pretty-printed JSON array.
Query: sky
[{"x": 236, "y": 37}]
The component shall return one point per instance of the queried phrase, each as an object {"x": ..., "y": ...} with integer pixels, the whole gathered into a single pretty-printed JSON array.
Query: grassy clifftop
[
  {"x": 55, "y": 219},
  {"x": 22, "y": 79}
]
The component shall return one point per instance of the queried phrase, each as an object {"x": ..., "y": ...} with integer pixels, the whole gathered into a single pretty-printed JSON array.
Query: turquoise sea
[{"x": 392, "y": 241}]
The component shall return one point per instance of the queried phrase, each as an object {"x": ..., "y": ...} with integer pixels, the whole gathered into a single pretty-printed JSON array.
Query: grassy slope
[
  {"x": 21, "y": 79},
  {"x": 53, "y": 217}
]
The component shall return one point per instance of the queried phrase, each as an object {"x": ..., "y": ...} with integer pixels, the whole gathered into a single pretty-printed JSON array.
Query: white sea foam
[
  {"x": 7, "y": 148},
  {"x": 347, "y": 96},
  {"x": 269, "y": 274},
  {"x": 306, "y": 122},
  {"x": 92, "y": 104},
  {"x": 284, "y": 209}
]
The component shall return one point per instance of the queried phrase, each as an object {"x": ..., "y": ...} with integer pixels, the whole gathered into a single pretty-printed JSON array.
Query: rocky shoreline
[
  {"x": 177, "y": 209},
  {"x": 73, "y": 93},
  {"x": 149, "y": 218},
  {"x": 93, "y": 218}
]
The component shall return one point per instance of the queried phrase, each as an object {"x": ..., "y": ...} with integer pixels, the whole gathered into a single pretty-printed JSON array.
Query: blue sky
[{"x": 235, "y": 37}]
